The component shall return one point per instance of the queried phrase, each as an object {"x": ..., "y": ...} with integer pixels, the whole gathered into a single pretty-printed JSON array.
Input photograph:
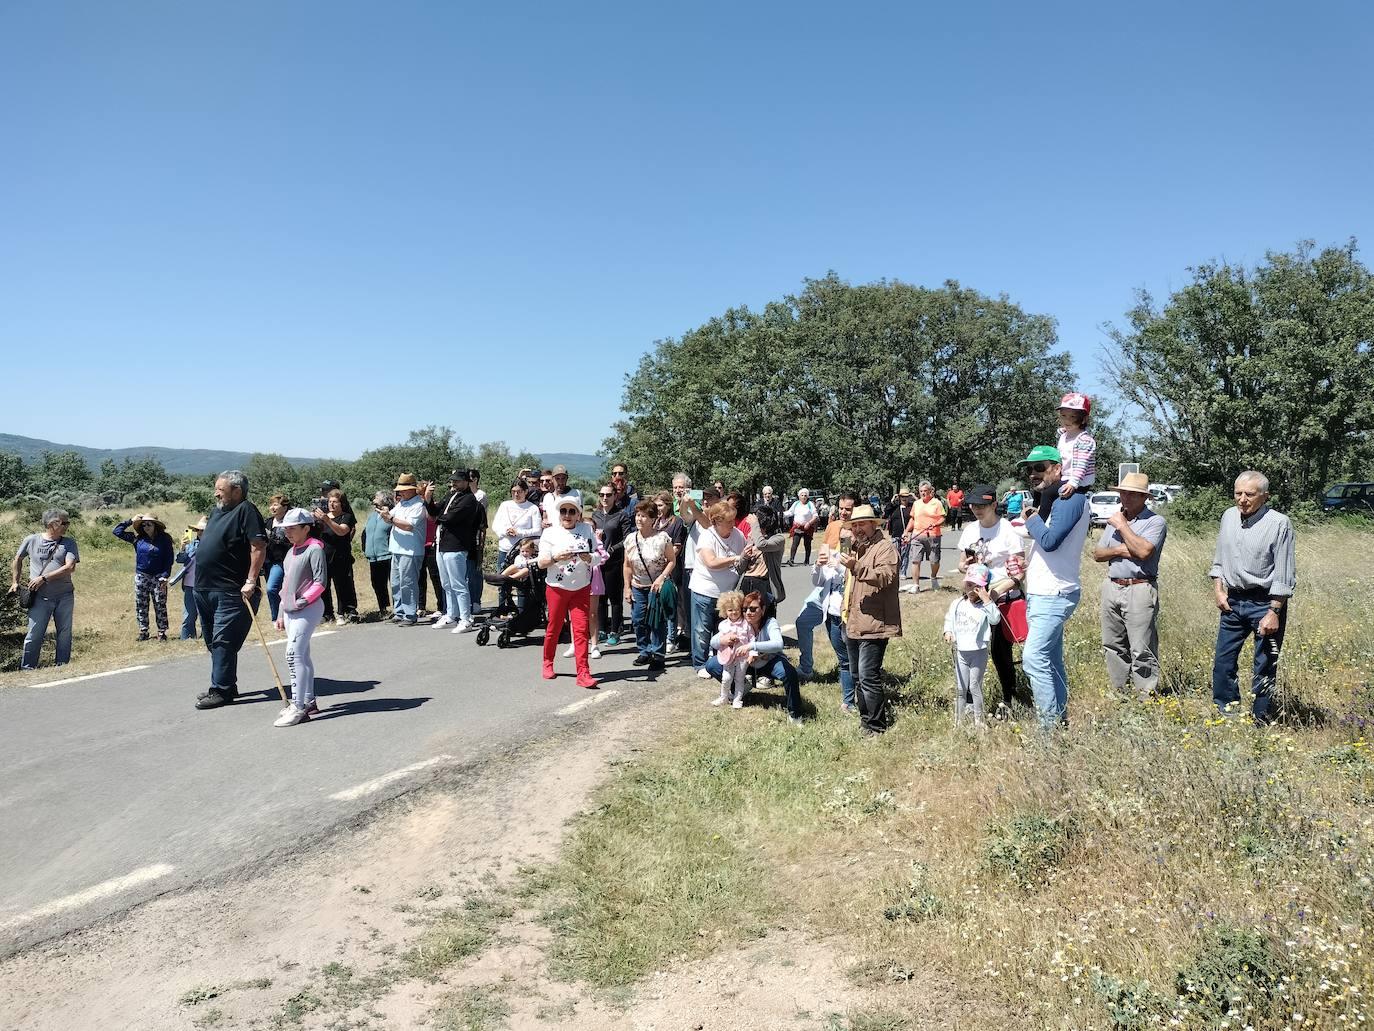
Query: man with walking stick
[{"x": 230, "y": 557}]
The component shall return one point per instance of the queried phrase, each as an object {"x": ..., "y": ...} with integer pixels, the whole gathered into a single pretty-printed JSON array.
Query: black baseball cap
[
  {"x": 458, "y": 476},
  {"x": 980, "y": 494}
]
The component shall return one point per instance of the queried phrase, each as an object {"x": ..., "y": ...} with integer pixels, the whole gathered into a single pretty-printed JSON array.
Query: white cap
[{"x": 298, "y": 517}]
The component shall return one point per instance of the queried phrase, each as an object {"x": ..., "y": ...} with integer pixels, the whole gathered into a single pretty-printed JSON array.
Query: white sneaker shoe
[
  {"x": 465, "y": 626},
  {"x": 738, "y": 703},
  {"x": 701, "y": 673},
  {"x": 444, "y": 621},
  {"x": 572, "y": 650},
  {"x": 721, "y": 700},
  {"x": 595, "y": 653},
  {"x": 763, "y": 682},
  {"x": 290, "y": 717}
]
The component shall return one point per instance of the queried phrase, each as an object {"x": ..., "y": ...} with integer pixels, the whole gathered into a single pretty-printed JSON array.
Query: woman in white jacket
[{"x": 516, "y": 517}]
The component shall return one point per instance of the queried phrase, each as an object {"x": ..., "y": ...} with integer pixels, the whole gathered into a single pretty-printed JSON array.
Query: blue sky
[{"x": 312, "y": 226}]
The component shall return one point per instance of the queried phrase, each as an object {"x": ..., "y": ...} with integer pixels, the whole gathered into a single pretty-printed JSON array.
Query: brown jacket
[{"x": 874, "y": 609}]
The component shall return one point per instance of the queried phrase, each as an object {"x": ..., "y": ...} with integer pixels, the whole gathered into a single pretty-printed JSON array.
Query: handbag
[
  {"x": 1014, "y": 626},
  {"x": 26, "y": 597}
]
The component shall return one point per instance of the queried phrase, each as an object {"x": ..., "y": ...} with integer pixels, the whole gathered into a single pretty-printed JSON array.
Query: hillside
[
  {"x": 193, "y": 461},
  {"x": 589, "y": 466}
]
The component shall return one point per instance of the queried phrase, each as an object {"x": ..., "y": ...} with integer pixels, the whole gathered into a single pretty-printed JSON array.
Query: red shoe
[
  {"x": 549, "y": 674},
  {"x": 588, "y": 682}
]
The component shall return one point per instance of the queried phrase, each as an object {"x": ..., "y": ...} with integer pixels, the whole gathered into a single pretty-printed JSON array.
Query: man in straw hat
[
  {"x": 872, "y": 611},
  {"x": 228, "y": 561},
  {"x": 1131, "y": 546},
  {"x": 407, "y": 522},
  {"x": 1057, "y": 527},
  {"x": 190, "y": 544}
]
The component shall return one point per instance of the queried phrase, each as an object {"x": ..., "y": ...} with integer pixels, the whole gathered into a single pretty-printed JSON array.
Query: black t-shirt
[
  {"x": 224, "y": 556},
  {"x": 339, "y": 545}
]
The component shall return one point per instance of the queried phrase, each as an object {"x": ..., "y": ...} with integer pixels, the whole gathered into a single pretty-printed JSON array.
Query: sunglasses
[
  {"x": 607, "y": 494},
  {"x": 568, "y": 512},
  {"x": 753, "y": 608},
  {"x": 1039, "y": 467}
]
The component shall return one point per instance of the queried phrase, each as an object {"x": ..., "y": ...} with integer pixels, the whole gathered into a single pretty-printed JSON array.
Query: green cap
[{"x": 1042, "y": 453}]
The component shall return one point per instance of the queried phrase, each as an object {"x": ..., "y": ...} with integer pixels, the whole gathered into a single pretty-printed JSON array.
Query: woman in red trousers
[{"x": 566, "y": 553}]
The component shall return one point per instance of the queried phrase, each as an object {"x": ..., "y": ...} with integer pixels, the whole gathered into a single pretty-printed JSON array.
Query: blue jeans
[
  {"x": 453, "y": 574},
  {"x": 649, "y": 639},
  {"x": 1042, "y": 656},
  {"x": 775, "y": 667},
  {"x": 1236, "y": 626},
  {"x": 224, "y": 624},
  {"x": 59, "y": 610},
  {"x": 834, "y": 626},
  {"x": 405, "y": 586},
  {"x": 475, "y": 582},
  {"x": 808, "y": 619},
  {"x": 275, "y": 575},
  {"x": 188, "y": 620},
  {"x": 703, "y": 628}
]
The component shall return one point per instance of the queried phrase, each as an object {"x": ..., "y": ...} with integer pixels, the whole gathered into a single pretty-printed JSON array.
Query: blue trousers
[
  {"x": 703, "y": 627},
  {"x": 188, "y": 619},
  {"x": 224, "y": 625},
  {"x": 453, "y": 574},
  {"x": 1241, "y": 623},
  {"x": 59, "y": 611},
  {"x": 775, "y": 667},
  {"x": 1042, "y": 656},
  {"x": 405, "y": 586},
  {"x": 808, "y": 619},
  {"x": 649, "y": 638},
  {"x": 275, "y": 575}
]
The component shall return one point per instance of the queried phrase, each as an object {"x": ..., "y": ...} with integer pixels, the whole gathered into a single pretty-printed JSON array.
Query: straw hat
[
  {"x": 200, "y": 525},
  {"x": 136, "y": 524},
  {"x": 406, "y": 481},
  {"x": 1139, "y": 483},
  {"x": 864, "y": 513}
]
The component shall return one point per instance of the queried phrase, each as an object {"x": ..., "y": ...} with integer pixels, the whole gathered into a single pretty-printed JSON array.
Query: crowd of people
[{"x": 700, "y": 572}]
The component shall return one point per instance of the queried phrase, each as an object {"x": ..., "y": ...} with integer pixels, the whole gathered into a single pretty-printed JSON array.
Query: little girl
[
  {"x": 303, "y": 584},
  {"x": 968, "y": 626},
  {"x": 1076, "y": 445},
  {"x": 733, "y": 638}
]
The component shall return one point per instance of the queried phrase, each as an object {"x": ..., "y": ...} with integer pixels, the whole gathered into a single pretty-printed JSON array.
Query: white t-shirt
[
  {"x": 689, "y": 547},
  {"x": 802, "y": 513},
  {"x": 522, "y": 516},
  {"x": 552, "y": 500},
  {"x": 574, "y": 574},
  {"x": 994, "y": 544},
  {"x": 712, "y": 583},
  {"x": 481, "y": 497}
]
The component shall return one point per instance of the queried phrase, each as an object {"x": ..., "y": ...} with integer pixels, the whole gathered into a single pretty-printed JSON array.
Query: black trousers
[
  {"x": 341, "y": 581},
  {"x": 429, "y": 570},
  {"x": 380, "y": 572},
  {"x": 611, "y": 603},
  {"x": 1000, "y": 650}
]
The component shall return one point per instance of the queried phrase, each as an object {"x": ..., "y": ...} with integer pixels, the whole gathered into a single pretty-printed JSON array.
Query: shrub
[
  {"x": 1200, "y": 506},
  {"x": 197, "y": 498},
  {"x": 1026, "y": 847},
  {"x": 1233, "y": 969}
]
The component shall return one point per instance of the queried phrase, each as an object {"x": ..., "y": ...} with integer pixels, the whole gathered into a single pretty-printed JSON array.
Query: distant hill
[
  {"x": 589, "y": 466},
  {"x": 178, "y": 461}
]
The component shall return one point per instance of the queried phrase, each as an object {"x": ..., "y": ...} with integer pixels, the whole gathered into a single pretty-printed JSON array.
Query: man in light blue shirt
[
  {"x": 1131, "y": 546},
  {"x": 407, "y": 521}
]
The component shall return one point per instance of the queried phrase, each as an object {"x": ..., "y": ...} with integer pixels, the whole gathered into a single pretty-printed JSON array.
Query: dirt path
[{"x": 416, "y": 907}]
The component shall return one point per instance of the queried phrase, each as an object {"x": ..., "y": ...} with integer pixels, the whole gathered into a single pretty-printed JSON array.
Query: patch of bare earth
[{"x": 327, "y": 938}]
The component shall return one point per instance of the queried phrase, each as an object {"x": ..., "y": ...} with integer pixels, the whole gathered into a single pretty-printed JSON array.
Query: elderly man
[
  {"x": 228, "y": 562},
  {"x": 923, "y": 532},
  {"x": 872, "y": 612},
  {"x": 1057, "y": 528},
  {"x": 1254, "y": 573},
  {"x": 1131, "y": 546},
  {"x": 407, "y": 522}
]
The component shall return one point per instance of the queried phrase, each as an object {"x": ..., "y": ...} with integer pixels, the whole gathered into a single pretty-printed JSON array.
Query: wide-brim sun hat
[
  {"x": 136, "y": 524},
  {"x": 406, "y": 481},
  {"x": 865, "y": 514},
  {"x": 1137, "y": 483},
  {"x": 200, "y": 525}
]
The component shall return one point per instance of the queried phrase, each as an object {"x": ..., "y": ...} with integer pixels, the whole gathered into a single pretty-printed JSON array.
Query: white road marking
[
  {"x": 90, "y": 676},
  {"x": 314, "y": 637},
  {"x": 600, "y": 696},
  {"x": 106, "y": 888},
  {"x": 370, "y": 786}
]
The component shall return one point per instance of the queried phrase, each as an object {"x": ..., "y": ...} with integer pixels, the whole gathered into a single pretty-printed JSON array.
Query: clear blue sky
[{"x": 435, "y": 208}]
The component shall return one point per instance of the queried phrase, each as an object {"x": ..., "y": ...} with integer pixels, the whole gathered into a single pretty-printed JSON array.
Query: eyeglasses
[
  {"x": 753, "y": 608},
  {"x": 607, "y": 494},
  {"x": 619, "y": 474}
]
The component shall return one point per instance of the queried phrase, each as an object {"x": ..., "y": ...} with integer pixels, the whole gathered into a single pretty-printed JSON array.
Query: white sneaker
[
  {"x": 290, "y": 717},
  {"x": 572, "y": 650},
  {"x": 340, "y": 620},
  {"x": 703, "y": 674},
  {"x": 444, "y": 621},
  {"x": 738, "y": 703},
  {"x": 763, "y": 682},
  {"x": 721, "y": 700},
  {"x": 595, "y": 653},
  {"x": 465, "y": 626}
]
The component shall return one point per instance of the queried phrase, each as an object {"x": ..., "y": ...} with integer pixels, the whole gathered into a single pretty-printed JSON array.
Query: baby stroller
[{"x": 523, "y": 614}]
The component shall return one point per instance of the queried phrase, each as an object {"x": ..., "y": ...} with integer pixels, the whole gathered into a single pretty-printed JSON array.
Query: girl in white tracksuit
[
  {"x": 969, "y": 626},
  {"x": 303, "y": 586}
]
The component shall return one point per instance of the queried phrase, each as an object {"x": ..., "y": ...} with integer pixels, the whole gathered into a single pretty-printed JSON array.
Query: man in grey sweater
[{"x": 1254, "y": 574}]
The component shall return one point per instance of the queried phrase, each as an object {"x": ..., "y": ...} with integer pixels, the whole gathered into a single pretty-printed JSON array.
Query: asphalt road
[{"x": 115, "y": 789}]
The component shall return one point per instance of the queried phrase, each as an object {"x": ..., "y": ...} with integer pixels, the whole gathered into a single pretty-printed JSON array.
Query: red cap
[{"x": 1077, "y": 402}]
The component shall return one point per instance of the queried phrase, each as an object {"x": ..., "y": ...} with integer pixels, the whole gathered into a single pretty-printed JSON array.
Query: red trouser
[{"x": 574, "y": 606}]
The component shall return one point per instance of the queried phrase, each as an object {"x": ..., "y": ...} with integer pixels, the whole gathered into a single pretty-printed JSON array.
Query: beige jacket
[{"x": 874, "y": 609}]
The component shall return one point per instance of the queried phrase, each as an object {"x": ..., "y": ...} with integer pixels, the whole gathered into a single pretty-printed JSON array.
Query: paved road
[{"x": 114, "y": 790}]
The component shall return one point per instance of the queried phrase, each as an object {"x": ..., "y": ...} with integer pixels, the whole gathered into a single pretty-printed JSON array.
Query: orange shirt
[
  {"x": 954, "y": 498},
  {"x": 928, "y": 517}
]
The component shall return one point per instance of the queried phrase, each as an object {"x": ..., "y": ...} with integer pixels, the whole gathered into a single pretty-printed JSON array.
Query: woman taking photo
[
  {"x": 154, "y": 553},
  {"x": 649, "y": 560},
  {"x": 766, "y": 660},
  {"x": 52, "y": 558},
  {"x": 337, "y": 525},
  {"x": 565, "y": 553}
]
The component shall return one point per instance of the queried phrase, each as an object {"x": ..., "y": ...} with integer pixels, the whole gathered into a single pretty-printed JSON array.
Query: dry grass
[{"x": 1151, "y": 866}]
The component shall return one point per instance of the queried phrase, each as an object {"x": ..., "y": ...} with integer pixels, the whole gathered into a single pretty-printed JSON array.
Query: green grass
[
  {"x": 481, "y": 1008},
  {"x": 1152, "y": 863},
  {"x": 455, "y": 934}
]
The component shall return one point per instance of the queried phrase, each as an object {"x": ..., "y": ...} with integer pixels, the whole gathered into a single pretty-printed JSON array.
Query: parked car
[
  {"x": 1104, "y": 504},
  {"x": 1349, "y": 497},
  {"x": 1169, "y": 491},
  {"x": 1027, "y": 501}
]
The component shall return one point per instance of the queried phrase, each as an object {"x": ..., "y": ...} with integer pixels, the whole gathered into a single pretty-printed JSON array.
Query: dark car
[{"x": 1349, "y": 497}]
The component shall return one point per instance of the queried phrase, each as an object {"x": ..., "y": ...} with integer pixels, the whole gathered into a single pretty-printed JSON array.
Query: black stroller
[{"x": 522, "y": 609}]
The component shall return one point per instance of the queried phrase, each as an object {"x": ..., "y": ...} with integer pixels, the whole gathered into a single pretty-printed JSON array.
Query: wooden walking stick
[{"x": 263, "y": 638}]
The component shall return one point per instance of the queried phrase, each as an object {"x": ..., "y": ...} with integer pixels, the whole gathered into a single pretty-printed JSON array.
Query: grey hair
[
  {"x": 924, "y": 484},
  {"x": 686, "y": 480},
  {"x": 53, "y": 515},
  {"x": 387, "y": 498},
  {"x": 235, "y": 479},
  {"x": 767, "y": 487},
  {"x": 1257, "y": 478}
]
